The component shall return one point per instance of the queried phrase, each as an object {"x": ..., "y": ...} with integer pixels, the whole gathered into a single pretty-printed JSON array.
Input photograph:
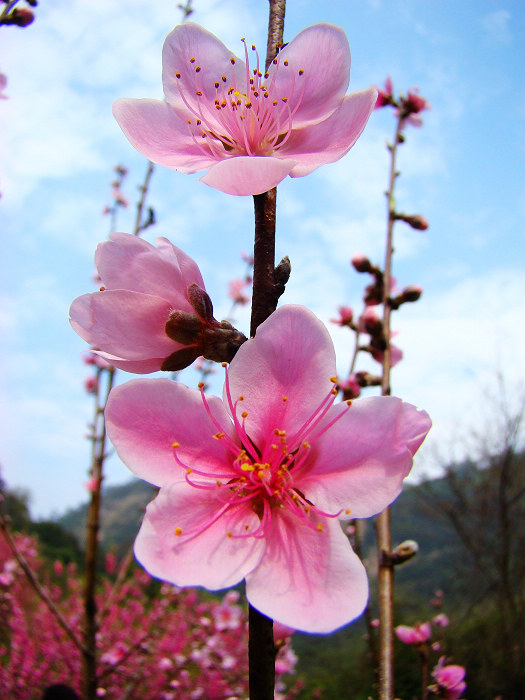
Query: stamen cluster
[{"x": 248, "y": 116}]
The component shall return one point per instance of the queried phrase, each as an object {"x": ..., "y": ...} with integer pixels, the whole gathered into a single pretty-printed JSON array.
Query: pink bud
[{"x": 361, "y": 263}]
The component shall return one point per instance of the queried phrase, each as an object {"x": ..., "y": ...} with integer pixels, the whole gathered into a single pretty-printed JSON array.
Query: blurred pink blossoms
[
  {"x": 253, "y": 486},
  {"x": 152, "y": 311},
  {"x": 248, "y": 129},
  {"x": 414, "y": 635},
  {"x": 449, "y": 681}
]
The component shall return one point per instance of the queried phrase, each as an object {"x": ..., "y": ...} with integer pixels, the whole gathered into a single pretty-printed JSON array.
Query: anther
[
  {"x": 333, "y": 380},
  {"x": 301, "y": 71},
  {"x": 223, "y": 78},
  {"x": 319, "y": 527},
  {"x": 175, "y": 445},
  {"x": 201, "y": 385},
  {"x": 229, "y": 533},
  {"x": 285, "y": 63},
  {"x": 244, "y": 414},
  {"x": 102, "y": 289},
  {"x": 199, "y": 93},
  {"x": 216, "y": 84},
  {"x": 232, "y": 61},
  {"x": 178, "y": 531},
  {"x": 192, "y": 60},
  {"x": 198, "y": 69}
]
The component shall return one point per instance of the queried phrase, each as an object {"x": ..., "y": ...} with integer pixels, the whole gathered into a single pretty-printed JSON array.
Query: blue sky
[{"x": 464, "y": 170}]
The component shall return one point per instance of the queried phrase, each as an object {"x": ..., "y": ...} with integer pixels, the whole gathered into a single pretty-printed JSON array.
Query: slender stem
[
  {"x": 423, "y": 657},
  {"x": 89, "y": 661},
  {"x": 382, "y": 522},
  {"x": 261, "y": 648},
  {"x": 264, "y": 298},
  {"x": 140, "y": 204}
]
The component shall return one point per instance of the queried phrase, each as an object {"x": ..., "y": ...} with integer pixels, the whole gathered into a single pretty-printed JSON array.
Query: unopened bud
[
  {"x": 361, "y": 263},
  {"x": 409, "y": 294},
  {"x": 404, "y": 551},
  {"x": 416, "y": 221},
  {"x": 367, "y": 379},
  {"x": 20, "y": 17},
  {"x": 281, "y": 275}
]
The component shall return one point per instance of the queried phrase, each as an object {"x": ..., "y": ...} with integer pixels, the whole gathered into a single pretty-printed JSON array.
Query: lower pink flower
[
  {"x": 252, "y": 487},
  {"x": 449, "y": 680}
]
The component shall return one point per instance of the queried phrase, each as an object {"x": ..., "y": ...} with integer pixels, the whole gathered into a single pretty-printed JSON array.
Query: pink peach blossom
[
  {"x": 253, "y": 486},
  {"x": 147, "y": 292},
  {"x": 449, "y": 680},
  {"x": 249, "y": 130},
  {"x": 414, "y": 635}
]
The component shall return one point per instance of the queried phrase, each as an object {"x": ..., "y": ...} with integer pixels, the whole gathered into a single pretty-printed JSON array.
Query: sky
[{"x": 463, "y": 170}]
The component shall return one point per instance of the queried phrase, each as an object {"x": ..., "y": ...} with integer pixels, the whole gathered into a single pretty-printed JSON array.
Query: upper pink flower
[
  {"x": 414, "y": 635},
  {"x": 249, "y": 129},
  {"x": 152, "y": 311},
  {"x": 252, "y": 486}
]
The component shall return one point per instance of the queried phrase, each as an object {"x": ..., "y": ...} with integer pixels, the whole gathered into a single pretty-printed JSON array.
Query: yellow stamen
[{"x": 178, "y": 531}]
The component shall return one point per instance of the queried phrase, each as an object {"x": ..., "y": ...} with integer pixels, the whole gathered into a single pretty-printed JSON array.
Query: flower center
[
  {"x": 249, "y": 115},
  {"x": 263, "y": 478}
]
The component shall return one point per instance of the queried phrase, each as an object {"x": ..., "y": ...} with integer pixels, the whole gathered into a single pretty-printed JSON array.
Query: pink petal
[
  {"x": 159, "y": 133},
  {"x": 188, "y": 267},
  {"x": 144, "y": 417},
  {"x": 406, "y": 634},
  {"x": 244, "y": 175},
  {"x": 332, "y": 138},
  {"x": 126, "y": 324},
  {"x": 211, "y": 559},
  {"x": 292, "y": 356},
  {"x": 129, "y": 262},
  {"x": 323, "y": 53},
  {"x": 133, "y": 366},
  {"x": 361, "y": 461},
  {"x": 190, "y": 40},
  {"x": 308, "y": 580}
]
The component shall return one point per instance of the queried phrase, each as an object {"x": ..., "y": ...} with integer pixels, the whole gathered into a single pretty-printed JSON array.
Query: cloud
[{"x": 497, "y": 26}]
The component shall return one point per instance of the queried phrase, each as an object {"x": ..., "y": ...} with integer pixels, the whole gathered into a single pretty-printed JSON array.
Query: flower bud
[
  {"x": 404, "y": 551},
  {"x": 416, "y": 221},
  {"x": 361, "y": 263}
]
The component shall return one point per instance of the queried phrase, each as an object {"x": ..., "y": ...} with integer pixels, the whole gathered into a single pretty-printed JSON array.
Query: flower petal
[
  {"x": 134, "y": 366},
  {"x": 130, "y": 262},
  {"x": 244, "y": 175},
  {"x": 211, "y": 559},
  {"x": 323, "y": 53},
  {"x": 332, "y": 138},
  {"x": 308, "y": 580},
  {"x": 144, "y": 417},
  {"x": 125, "y": 324},
  {"x": 361, "y": 461},
  {"x": 159, "y": 133},
  {"x": 211, "y": 56},
  {"x": 291, "y": 356}
]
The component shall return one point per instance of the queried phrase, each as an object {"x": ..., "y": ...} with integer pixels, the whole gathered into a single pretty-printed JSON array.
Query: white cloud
[{"x": 497, "y": 26}]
